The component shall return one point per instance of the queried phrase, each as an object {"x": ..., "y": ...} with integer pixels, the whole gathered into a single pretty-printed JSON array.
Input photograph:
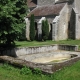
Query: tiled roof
[
  {"x": 47, "y": 10},
  {"x": 32, "y": 3}
]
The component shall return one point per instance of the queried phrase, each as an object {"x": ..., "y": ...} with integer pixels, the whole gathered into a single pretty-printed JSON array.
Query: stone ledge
[
  {"x": 16, "y": 52},
  {"x": 68, "y": 47},
  {"x": 47, "y": 68}
]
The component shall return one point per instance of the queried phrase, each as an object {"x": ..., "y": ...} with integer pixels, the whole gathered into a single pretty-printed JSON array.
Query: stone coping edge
[{"x": 46, "y": 68}]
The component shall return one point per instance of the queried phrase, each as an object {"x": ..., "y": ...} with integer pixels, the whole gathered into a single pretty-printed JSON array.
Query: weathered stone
[
  {"x": 16, "y": 52},
  {"x": 55, "y": 28},
  {"x": 68, "y": 24},
  {"x": 47, "y": 68},
  {"x": 27, "y": 28},
  {"x": 45, "y": 2}
]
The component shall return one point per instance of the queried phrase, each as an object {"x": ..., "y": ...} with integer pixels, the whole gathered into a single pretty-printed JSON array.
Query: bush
[
  {"x": 26, "y": 70},
  {"x": 32, "y": 28},
  {"x": 37, "y": 71},
  {"x": 45, "y": 30}
]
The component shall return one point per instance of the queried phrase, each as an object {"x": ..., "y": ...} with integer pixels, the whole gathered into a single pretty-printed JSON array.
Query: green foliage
[
  {"x": 68, "y": 73},
  {"x": 48, "y": 42},
  {"x": 7, "y": 66},
  {"x": 25, "y": 70},
  {"x": 37, "y": 71},
  {"x": 12, "y": 13},
  {"x": 45, "y": 30},
  {"x": 32, "y": 28}
]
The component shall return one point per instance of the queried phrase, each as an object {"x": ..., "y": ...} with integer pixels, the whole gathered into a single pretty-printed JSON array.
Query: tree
[
  {"x": 32, "y": 28},
  {"x": 45, "y": 30},
  {"x": 12, "y": 13}
]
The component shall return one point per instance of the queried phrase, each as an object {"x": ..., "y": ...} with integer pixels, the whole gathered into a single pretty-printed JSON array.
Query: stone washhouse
[{"x": 63, "y": 17}]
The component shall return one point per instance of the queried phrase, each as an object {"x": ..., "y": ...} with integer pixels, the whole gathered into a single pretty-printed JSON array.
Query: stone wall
[
  {"x": 45, "y": 2},
  {"x": 60, "y": 25},
  {"x": 29, "y": 50},
  {"x": 72, "y": 25},
  {"x": 77, "y": 27},
  {"x": 50, "y": 18},
  {"x": 63, "y": 24},
  {"x": 77, "y": 5},
  {"x": 74, "y": 28},
  {"x": 68, "y": 47},
  {"x": 27, "y": 28},
  {"x": 76, "y": 8},
  {"x": 16, "y": 52},
  {"x": 55, "y": 28},
  {"x": 47, "y": 68}
]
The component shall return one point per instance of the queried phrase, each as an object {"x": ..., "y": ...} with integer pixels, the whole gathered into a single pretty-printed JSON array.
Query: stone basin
[
  {"x": 50, "y": 57},
  {"x": 53, "y": 59}
]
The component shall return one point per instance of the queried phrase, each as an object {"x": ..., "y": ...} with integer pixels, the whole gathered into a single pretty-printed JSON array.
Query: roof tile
[
  {"x": 47, "y": 10},
  {"x": 32, "y": 3}
]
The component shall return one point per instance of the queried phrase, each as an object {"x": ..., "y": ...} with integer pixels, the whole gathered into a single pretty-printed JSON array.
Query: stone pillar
[
  {"x": 55, "y": 29},
  {"x": 77, "y": 27},
  {"x": 40, "y": 28},
  {"x": 77, "y": 18},
  {"x": 27, "y": 28}
]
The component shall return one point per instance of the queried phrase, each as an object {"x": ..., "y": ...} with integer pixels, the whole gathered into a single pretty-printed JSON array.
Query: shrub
[
  {"x": 32, "y": 28},
  {"x": 37, "y": 71},
  {"x": 45, "y": 30},
  {"x": 26, "y": 70}
]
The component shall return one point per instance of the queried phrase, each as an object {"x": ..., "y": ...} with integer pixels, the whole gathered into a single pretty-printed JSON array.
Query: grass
[
  {"x": 36, "y": 43},
  {"x": 72, "y": 72}
]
